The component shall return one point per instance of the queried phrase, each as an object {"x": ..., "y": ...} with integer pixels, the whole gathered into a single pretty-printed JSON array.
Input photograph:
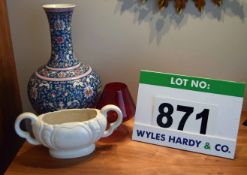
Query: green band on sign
[{"x": 193, "y": 83}]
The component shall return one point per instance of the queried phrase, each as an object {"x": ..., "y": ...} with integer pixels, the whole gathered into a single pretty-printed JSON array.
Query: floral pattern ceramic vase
[{"x": 64, "y": 82}]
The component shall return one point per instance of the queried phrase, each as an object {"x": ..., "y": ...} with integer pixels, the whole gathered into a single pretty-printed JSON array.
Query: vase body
[{"x": 64, "y": 82}]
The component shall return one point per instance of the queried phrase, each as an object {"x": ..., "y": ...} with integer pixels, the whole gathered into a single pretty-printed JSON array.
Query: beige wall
[{"x": 119, "y": 38}]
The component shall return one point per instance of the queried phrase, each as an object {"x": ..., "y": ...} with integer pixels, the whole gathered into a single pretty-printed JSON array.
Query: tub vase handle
[
  {"x": 24, "y": 134},
  {"x": 115, "y": 124}
]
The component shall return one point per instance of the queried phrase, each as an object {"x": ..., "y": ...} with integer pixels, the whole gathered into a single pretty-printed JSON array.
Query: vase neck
[{"x": 62, "y": 55}]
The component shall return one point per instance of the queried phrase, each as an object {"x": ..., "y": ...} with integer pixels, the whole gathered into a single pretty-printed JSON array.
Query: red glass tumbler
[{"x": 117, "y": 93}]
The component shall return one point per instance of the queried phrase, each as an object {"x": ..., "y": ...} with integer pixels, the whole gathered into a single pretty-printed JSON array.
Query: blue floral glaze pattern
[
  {"x": 63, "y": 83},
  {"x": 61, "y": 39}
]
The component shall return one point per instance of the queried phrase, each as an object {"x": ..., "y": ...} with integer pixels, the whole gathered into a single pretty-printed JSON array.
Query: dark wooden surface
[
  {"x": 119, "y": 155},
  {"x": 10, "y": 104}
]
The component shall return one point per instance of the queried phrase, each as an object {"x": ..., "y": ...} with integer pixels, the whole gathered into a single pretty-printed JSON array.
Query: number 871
[{"x": 188, "y": 111}]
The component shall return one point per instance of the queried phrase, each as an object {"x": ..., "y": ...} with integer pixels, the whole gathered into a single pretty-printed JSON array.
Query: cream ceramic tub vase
[{"x": 69, "y": 133}]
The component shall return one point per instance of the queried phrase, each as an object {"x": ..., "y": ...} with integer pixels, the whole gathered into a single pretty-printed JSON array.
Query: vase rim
[{"x": 58, "y": 6}]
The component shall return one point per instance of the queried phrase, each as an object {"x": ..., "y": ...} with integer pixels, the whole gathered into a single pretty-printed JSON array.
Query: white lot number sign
[{"x": 190, "y": 113}]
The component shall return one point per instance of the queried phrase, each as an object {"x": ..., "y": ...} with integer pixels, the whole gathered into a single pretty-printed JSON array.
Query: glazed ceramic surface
[
  {"x": 69, "y": 133},
  {"x": 64, "y": 82}
]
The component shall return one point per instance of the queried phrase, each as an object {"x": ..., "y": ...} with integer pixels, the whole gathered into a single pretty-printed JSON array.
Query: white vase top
[{"x": 58, "y": 6}]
